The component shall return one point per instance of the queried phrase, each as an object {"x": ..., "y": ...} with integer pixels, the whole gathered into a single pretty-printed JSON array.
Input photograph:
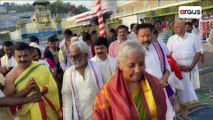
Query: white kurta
[
  {"x": 107, "y": 67},
  {"x": 132, "y": 36},
  {"x": 86, "y": 90},
  {"x": 183, "y": 51},
  {"x": 4, "y": 111},
  {"x": 152, "y": 62},
  {"x": 153, "y": 67},
  {"x": 6, "y": 62}
]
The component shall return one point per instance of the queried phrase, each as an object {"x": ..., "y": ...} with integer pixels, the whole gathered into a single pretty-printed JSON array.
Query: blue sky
[{"x": 86, "y": 3}]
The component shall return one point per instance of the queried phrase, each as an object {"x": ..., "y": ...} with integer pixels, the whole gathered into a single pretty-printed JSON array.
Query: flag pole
[{"x": 100, "y": 18}]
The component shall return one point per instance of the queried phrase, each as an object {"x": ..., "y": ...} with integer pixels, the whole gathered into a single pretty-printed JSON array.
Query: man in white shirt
[
  {"x": 81, "y": 83},
  {"x": 34, "y": 42},
  {"x": 156, "y": 62},
  {"x": 195, "y": 29},
  {"x": 8, "y": 61},
  {"x": 63, "y": 56},
  {"x": 132, "y": 35},
  {"x": 186, "y": 51},
  {"x": 106, "y": 63}
]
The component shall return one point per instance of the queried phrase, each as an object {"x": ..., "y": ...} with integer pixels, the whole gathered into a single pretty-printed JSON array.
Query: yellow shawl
[{"x": 46, "y": 109}]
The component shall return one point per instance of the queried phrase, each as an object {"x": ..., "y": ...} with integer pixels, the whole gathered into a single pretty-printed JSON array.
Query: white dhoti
[
  {"x": 170, "y": 111},
  {"x": 187, "y": 95},
  {"x": 195, "y": 78}
]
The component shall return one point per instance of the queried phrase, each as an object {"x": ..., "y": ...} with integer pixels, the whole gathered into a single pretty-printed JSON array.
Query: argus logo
[{"x": 190, "y": 12}]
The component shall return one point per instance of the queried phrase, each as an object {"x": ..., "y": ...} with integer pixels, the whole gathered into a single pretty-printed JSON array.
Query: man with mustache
[
  {"x": 81, "y": 83},
  {"x": 156, "y": 63},
  {"x": 106, "y": 63},
  {"x": 122, "y": 32},
  {"x": 43, "y": 83}
]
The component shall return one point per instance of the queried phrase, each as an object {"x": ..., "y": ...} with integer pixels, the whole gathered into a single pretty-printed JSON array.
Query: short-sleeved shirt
[{"x": 184, "y": 49}]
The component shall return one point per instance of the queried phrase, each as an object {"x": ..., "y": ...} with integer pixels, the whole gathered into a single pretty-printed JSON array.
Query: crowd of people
[{"x": 145, "y": 74}]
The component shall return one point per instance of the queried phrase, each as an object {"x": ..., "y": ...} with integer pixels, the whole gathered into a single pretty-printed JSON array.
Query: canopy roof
[{"x": 41, "y": 2}]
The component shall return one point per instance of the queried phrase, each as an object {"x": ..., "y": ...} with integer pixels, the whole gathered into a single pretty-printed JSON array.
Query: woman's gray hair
[
  {"x": 81, "y": 45},
  {"x": 127, "y": 47}
]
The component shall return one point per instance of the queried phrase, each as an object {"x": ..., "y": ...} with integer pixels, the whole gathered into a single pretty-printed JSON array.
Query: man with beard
[
  {"x": 41, "y": 78},
  {"x": 156, "y": 62},
  {"x": 122, "y": 31},
  {"x": 81, "y": 83},
  {"x": 106, "y": 63}
]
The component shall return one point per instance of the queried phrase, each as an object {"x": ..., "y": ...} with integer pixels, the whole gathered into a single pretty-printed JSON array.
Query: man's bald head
[{"x": 179, "y": 27}]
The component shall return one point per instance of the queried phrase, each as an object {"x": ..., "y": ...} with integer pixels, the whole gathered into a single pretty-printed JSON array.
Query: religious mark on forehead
[{"x": 21, "y": 52}]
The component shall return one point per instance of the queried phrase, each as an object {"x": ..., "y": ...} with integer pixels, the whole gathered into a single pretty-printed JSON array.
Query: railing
[{"x": 163, "y": 3}]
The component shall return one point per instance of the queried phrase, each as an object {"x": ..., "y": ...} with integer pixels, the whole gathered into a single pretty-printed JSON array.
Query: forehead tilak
[{"x": 21, "y": 52}]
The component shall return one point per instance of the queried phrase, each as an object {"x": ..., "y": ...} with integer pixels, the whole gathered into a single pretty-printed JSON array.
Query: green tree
[
  {"x": 55, "y": 7},
  {"x": 82, "y": 8}
]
